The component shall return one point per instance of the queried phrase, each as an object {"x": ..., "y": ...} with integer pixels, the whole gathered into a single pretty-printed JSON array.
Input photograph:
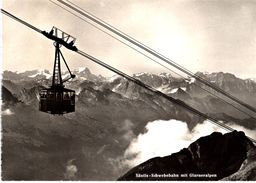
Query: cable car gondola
[{"x": 57, "y": 99}]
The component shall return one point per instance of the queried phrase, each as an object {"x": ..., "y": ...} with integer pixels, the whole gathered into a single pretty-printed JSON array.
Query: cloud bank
[
  {"x": 7, "y": 112},
  {"x": 163, "y": 138}
]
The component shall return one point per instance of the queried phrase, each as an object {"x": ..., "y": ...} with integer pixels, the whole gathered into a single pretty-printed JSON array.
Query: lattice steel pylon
[
  {"x": 64, "y": 37},
  {"x": 57, "y": 79}
]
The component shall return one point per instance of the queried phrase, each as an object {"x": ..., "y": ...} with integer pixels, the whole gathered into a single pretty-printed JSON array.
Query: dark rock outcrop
[
  {"x": 209, "y": 158},
  {"x": 248, "y": 169},
  {"x": 7, "y": 97}
]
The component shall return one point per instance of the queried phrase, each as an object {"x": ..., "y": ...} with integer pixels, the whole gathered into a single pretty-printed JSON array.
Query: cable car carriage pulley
[{"x": 57, "y": 99}]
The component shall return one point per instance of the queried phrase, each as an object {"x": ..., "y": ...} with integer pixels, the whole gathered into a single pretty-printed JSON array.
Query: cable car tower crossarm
[{"x": 57, "y": 99}]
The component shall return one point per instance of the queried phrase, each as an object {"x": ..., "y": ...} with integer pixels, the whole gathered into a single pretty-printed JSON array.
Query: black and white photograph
[{"x": 127, "y": 90}]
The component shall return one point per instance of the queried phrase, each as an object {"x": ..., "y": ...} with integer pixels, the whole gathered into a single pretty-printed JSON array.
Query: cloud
[
  {"x": 7, "y": 112},
  {"x": 71, "y": 170},
  {"x": 127, "y": 130},
  {"x": 163, "y": 138},
  {"x": 248, "y": 132}
]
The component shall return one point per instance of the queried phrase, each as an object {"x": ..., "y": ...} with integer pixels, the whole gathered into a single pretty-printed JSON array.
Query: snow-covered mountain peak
[
  {"x": 164, "y": 74},
  {"x": 82, "y": 70},
  {"x": 113, "y": 78},
  {"x": 40, "y": 72},
  {"x": 252, "y": 79}
]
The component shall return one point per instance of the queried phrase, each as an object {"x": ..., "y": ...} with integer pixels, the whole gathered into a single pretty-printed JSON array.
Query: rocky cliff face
[
  {"x": 243, "y": 89},
  {"x": 247, "y": 170},
  {"x": 209, "y": 158},
  {"x": 7, "y": 97}
]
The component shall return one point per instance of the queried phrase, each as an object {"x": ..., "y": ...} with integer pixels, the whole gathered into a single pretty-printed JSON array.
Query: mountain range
[{"x": 110, "y": 113}]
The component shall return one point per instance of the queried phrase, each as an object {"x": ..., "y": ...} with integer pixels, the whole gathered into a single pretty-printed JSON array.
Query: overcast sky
[{"x": 201, "y": 35}]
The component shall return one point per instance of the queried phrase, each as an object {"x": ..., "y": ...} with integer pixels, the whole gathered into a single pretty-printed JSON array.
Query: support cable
[
  {"x": 153, "y": 52},
  {"x": 156, "y": 92},
  {"x": 137, "y": 50},
  {"x": 21, "y": 21},
  {"x": 143, "y": 85}
]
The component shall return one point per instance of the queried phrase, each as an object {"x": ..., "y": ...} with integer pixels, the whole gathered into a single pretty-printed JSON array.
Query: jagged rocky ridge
[
  {"x": 94, "y": 135},
  {"x": 209, "y": 158}
]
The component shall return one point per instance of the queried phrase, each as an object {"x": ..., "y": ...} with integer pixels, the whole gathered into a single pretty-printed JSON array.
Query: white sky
[{"x": 201, "y": 35}]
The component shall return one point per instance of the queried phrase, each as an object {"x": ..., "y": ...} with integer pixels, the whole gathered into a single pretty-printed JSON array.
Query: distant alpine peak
[
  {"x": 146, "y": 74},
  {"x": 190, "y": 80},
  {"x": 215, "y": 74},
  {"x": 82, "y": 70},
  {"x": 252, "y": 79},
  {"x": 43, "y": 71},
  {"x": 33, "y": 71},
  {"x": 165, "y": 74},
  {"x": 141, "y": 74},
  {"x": 113, "y": 78},
  {"x": 38, "y": 72}
]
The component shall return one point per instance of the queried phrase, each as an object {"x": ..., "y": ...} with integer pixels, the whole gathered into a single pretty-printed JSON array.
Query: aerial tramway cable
[
  {"x": 137, "y": 50},
  {"x": 153, "y": 52},
  {"x": 19, "y": 20},
  {"x": 159, "y": 93},
  {"x": 138, "y": 82}
]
